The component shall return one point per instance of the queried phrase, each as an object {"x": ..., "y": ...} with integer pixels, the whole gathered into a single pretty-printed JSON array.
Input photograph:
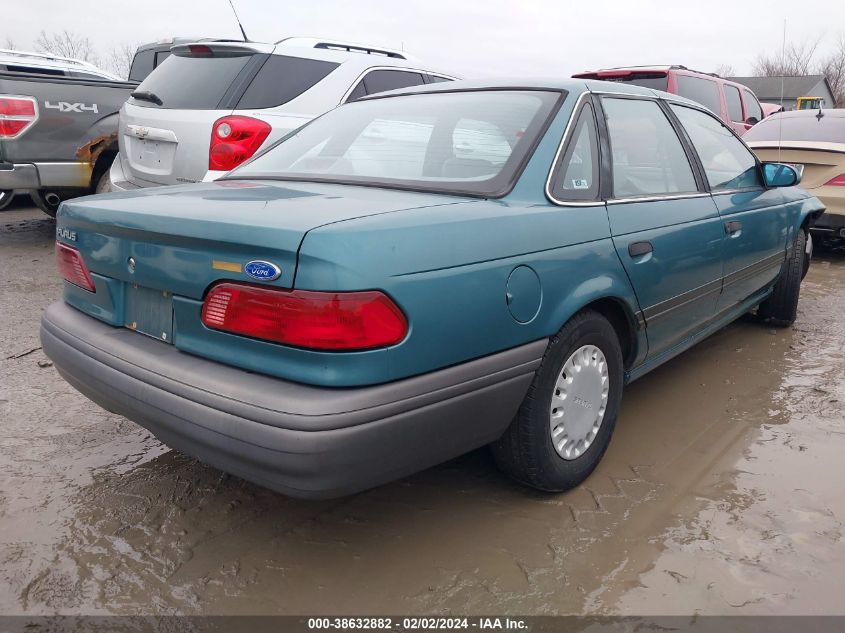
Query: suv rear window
[
  {"x": 282, "y": 79},
  {"x": 653, "y": 80},
  {"x": 704, "y": 91},
  {"x": 192, "y": 83}
]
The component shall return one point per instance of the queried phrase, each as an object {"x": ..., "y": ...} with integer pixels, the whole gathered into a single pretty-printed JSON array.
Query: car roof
[
  {"x": 573, "y": 86},
  {"x": 837, "y": 113}
]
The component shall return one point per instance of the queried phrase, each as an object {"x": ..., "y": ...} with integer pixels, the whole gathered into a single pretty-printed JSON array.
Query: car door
[
  {"x": 665, "y": 227},
  {"x": 754, "y": 218}
]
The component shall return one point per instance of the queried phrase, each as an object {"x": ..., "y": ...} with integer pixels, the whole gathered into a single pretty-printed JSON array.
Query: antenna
[
  {"x": 782, "y": 68},
  {"x": 241, "y": 26}
]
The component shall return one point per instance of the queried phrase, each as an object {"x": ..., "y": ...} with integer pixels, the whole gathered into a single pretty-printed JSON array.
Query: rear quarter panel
[{"x": 448, "y": 269}]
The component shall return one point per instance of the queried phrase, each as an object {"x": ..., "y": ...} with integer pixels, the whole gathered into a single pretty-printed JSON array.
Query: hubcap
[{"x": 579, "y": 402}]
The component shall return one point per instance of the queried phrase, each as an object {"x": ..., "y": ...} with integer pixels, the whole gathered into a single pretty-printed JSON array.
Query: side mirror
[
  {"x": 752, "y": 120},
  {"x": 780, "y": 175}
]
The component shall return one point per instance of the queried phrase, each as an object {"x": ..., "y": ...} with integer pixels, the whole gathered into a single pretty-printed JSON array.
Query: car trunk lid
[
  {"x": 183, "y": 239},
  {"x": 817, "y": 165}
]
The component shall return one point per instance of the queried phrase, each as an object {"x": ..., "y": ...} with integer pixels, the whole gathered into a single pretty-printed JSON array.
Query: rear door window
[
  {"x": 192, "y": 83},
  {"x": 647, "y": 155},
  {"x": 704, "y": 91},
  {"x": 282, "y": 79},
  {"x": 727, "y": 163},
  {"x": 734, "y": 103},
  {"x": 752, "y": 106},
  {"x": 384, "y": 80}
]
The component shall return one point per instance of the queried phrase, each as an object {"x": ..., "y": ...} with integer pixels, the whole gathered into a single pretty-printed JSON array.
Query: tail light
[
  {"x": 235, "y": 139},
  {"x": 72, "y": 267},
  {"x": 17, "y": 115},
  {"x": 838, "y": 181},
  {"x": 340, "y": 321}
]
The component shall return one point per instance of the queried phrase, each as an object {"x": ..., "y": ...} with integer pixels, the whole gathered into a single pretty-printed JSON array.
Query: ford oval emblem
[{"x": 262, "y": 271}]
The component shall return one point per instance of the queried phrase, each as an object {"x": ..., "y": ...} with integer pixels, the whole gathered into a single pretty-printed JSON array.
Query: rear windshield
[
  {"x": 461, "y": 142},
  {"x": 829, "y": 128},
  {"x": 655, "y": 81},
  {"x": 192, "y": 83}
]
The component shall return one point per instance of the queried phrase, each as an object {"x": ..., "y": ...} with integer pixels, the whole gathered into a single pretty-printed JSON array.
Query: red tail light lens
[
  {"x": 839, "y": 181},
  {"x": 72, "y": 267},
  {"x": 340, "y": 321},
  {"x": 235, "y": 139},
  {"x": 17, "y": 115}
]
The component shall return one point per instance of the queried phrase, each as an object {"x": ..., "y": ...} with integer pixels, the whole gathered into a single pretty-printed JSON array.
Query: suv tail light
[
  {"x": 235, "y": 139},
  {"x": 339, "y": 321},
  {"x": 17, "y": 115},
  {"x": 838, "y": 181},
  {"x": 72, "y": 267}
]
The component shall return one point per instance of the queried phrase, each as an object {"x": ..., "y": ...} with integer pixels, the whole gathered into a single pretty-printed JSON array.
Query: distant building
[{"x": 768, "y": 89}]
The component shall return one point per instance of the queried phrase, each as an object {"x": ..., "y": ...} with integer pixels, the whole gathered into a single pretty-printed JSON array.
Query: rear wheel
[
  {"x": 781, "y": 308},
  {"x": 103, "y": 183},
  {"x": 6, "y": 196},
  {"x": 564, "y": 425}
]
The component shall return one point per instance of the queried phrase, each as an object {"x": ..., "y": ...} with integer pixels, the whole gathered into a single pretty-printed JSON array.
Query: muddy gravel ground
[{"x": 723, "y": 492}]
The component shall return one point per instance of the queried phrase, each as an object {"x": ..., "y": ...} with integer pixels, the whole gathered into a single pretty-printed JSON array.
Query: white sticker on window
[{"x": 580, "y": 183}]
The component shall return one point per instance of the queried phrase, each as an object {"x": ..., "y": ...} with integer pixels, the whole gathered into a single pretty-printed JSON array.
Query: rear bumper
[
  {"x": 18, "y": 176},
  {"x": 29, "y": 176},
  {"x": 300, "y": 440}
]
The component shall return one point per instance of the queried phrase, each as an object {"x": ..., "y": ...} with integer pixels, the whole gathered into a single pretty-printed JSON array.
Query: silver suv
[{"x": 210, "y": 106}]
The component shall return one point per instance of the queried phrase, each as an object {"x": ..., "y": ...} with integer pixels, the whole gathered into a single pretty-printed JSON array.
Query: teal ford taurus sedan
[{"x": 416, "y": 275}]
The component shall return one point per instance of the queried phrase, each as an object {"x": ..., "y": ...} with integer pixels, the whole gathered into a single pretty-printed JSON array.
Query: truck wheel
[
  {"x": 781, "y": 308},
  {"x": 47, "y": 201},
  {"x": 103, "y": 183},
  {"x": 6, "y": 197},
  {"x": 563, "y": 426}
]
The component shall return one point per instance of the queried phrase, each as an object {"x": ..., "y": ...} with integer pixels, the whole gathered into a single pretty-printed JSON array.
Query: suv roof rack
[
  {"x": 45, "y": 57},
  {"x": 666, "y": 66},
  {"x": 342, "y": 46}
]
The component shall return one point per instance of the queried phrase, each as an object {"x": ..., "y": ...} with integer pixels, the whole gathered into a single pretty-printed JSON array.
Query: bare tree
[
  {"x": 725, "y": 70},
  {"x": 67, "y": 44},
  {"x": 120, "y": 57},
  {"x": 833, "y": 68},
  {"x": 794, "y": 61},
  {"x": 10, "y": 44}
]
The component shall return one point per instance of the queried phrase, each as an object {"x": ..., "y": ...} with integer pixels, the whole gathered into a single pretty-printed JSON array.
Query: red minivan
[{"x": 735, "y": 104}]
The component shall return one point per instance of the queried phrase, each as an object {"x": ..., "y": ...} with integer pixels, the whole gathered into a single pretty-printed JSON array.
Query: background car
[
  {"x": 212, "y": 105},
  {"x": 735, "y": 104},
  {"x": 813, "y": 141},
  {"x": 58, "y": 127},
  {"x": 413, "y": 276}
]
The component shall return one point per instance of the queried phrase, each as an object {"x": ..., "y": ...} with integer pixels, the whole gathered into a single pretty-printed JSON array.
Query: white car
[{"x": 210, "y": 106}]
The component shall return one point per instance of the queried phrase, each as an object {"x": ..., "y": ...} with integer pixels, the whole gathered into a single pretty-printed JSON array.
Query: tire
[
  {"x": 6, "y": 197},
  {"x": 781, "y": 308},
  {"x": 103, "y": 183},
  {"x": 807, "y": 257},
  {"x": 527, "y": 451}
]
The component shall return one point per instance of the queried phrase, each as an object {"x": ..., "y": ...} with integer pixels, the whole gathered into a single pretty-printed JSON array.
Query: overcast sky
[{"x": 468, "y": 37}]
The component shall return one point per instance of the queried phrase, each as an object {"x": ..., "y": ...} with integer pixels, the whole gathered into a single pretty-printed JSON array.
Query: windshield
[
  {"x": 459, "y": 142},
  {"x": 799, "y": 127}
]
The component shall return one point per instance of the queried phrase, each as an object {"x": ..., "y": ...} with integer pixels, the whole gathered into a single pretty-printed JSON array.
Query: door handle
[
  {"x": 733, "y": 227},
  {"x": 638, "y": 249}
]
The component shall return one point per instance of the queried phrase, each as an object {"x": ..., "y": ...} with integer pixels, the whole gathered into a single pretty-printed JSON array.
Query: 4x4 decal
[{"x": 64, "y": 106}]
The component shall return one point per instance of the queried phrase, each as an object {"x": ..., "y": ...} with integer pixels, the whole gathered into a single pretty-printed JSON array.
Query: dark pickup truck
[{"x": 58, "y": 134}]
